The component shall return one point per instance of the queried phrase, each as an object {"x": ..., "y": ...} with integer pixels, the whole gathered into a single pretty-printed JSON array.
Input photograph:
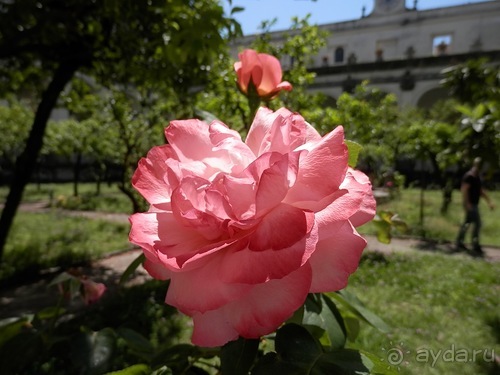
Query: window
[
  {"x": 339, "y": 55},
  {"x": 386, "y": 49},
  {"x": 441, "y": 45}
]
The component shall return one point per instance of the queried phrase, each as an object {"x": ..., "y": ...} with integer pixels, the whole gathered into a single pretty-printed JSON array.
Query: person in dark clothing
[{"x": 472, "y": 191}]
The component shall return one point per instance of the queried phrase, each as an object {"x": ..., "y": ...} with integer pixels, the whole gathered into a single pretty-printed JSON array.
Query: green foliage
[
  {"x": 93, "y": 197},
  {"x": 436, "y": 226},
  {"x": 168, "y": 46},
  {"x": 475, "y": 85},
  {"x": 472, "y": 82},
  {"x": 118, "y": 125},
  {"x": 299, "y": 352},
  {"x": 372, "y": 119},
  {"x": 237, "y": 357},
  {"x": 115, "y": 41},
  {"x": 94, "y": 340},
  {"x": 90, "y": 201},
  {"x": 15, "y": 120}
]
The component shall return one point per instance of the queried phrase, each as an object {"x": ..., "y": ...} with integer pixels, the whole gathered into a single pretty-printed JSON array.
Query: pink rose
[
  {"x": 263, "y": 70},
  {"x": 92, "y": 291},
  {"x": 245, "y": 230}
]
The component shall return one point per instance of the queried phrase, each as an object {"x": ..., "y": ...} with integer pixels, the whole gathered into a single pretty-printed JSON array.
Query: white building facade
[{"x": 402, "y": 50}]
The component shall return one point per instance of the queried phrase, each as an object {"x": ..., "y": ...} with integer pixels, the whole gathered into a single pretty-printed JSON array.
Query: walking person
[{"x": 472, "y": 191}]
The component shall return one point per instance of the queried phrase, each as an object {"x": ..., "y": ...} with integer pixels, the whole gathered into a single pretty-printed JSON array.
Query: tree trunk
[
  {"x": 76, "y": 173},
  {"x": 27, "y": 160},
  {"x": 136, "y": 206}
]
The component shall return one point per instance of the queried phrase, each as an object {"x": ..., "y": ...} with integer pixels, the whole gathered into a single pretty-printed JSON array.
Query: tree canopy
[{"x": 166, "y": 44}]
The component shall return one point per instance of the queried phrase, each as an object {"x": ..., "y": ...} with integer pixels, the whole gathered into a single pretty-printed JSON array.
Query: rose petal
[
  {"x": 281, "y": 131},
  {"x": 156, "y": 270},
  {"x": 322, "y": 170},
  {"x": 259, "y": 312},
  {"x": 357, "y": 183},
  {"x": 228, "y": 141},
  {"x": 262, "y": 123},
  {"x": 164, "y": 240},
  {"x": 149, "y": 177},
  {"x": 212, "y": 329},
  {"x": 272, "y": 253},
  {"x": 193, "y": 140},
  {"x": 271, "y": 75},
  {"x": 356, "y": 203},
  {"x": 201, "y": 289},
  {"x": 274, "y": 183},
  {"x": 336, "y": 257},
  {"x": 268, "y": 305}
]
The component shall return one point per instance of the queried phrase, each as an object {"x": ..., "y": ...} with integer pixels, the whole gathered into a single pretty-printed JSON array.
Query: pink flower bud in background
[
  {"x": 91, "y": 291},
  {"x": 263, "y": 71}
]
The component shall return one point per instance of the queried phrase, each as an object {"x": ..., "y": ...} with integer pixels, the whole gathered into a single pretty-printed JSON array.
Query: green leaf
[
  {"x": 20, "y": 351},
  {"x": 11, "y": 327},
  {"x": 164, "y": 370},
  {"x": 136, "y": 342},
  {"x": 384, "y": 222},
  {"x": 176, "y": 357},
  {"x": 352, "y": 326},
  {"x": 399, "y": 224},
  {"x": 465, "y": 110},
  {"x": 238, "y": 356},
  {"x": 322, "y": 312},
  {"x": 385, "y": 215},
  {"x": 131, "y": 268},
  {"x": 479, "y": 111},
  {"x": 383, "y": 231},
  {"x": 61, "y": 278},
  {"x": 353, "y": 304},
  {"x": 92, "y": 352},
  {"x": 297, "y": 316},
  {"x": 379, "y": 367},
  {"x": 298, "y": 353},
  {"x": 296, "y": 345},
  {"x": 236, "y": 10},
  {"x": 344, "y": 361},
  {"x": 133, "y": 370},
  {"x": 354, "y": 149},
  {"x": 50, "y": 313}
]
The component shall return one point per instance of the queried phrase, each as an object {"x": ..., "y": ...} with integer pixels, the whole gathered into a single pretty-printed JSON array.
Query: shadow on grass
[
  {"x": 27, "y": 266},
  {"x": 445, "y": 247},
  {"x": 374, "y": 257}
]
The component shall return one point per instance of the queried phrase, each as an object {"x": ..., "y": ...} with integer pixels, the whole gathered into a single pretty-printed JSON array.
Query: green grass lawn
[
  {"x": 435, "y": 225},
  {"x": 110, "y": 198},
  {"x": 433, "y": 303},
  {"x": 42, "y": 240}
]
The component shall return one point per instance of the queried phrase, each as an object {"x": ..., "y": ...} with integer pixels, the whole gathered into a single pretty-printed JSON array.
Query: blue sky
[{"x": 322, "y": 11}]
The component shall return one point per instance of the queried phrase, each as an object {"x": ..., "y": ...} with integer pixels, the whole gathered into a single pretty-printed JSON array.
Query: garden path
[{"x": 29, "y": 297}]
